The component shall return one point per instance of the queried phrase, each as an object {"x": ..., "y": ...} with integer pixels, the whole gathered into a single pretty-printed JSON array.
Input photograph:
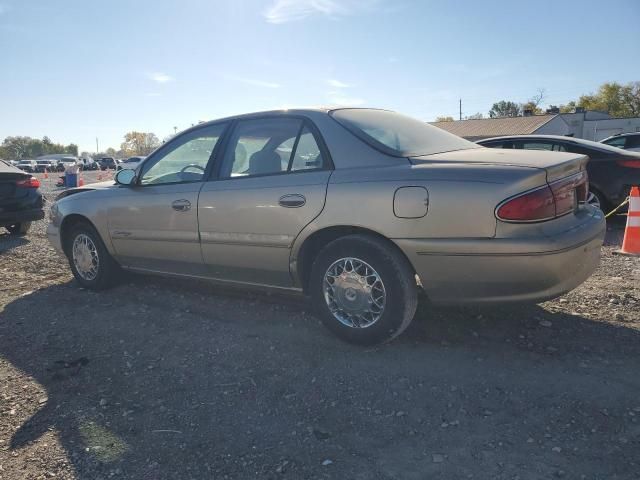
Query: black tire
[
  {"x": 396, "y": 274},
  {"x": 19, "y": 228},
  {"x": 107, "y": 268}
]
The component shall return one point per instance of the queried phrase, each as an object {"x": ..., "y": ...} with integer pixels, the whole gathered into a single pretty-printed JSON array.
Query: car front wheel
[
  {"x": 90, "y": 262},
  {"x": 363, "y": 289}
]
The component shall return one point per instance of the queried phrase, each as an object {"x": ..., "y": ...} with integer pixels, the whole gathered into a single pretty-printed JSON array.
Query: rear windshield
[{"x": 397, "y": 134}]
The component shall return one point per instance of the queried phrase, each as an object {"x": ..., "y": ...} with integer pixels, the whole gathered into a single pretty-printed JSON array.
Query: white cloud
[
  {"x": 338, "y": 98},
  {"x": 283, "y": 11},
  {"x": 160, "y": 77},
  {"x": 332, "y": 82},
  {"x": 256, "y": 83}
]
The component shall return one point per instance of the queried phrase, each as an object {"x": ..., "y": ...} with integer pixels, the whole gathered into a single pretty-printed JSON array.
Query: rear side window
[
  {"x": 398, "y": 135},
  {"x": 269, "y": 146},
  {"x": 617, "y": 142},
  {"x": 537, "y": 146}
]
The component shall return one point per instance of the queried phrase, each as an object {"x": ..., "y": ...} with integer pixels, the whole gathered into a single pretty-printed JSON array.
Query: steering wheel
[{"x": 192, "y": 165}]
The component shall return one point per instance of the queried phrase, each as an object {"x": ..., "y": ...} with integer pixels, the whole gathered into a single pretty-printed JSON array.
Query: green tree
[
  {"x": 444, "y": 119},
  {"x": 505, "y": 108},
  {"x": 475, "y": 116}
]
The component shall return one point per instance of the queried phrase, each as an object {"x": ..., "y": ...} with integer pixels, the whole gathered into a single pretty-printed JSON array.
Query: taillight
[
  {"x": 629, "y": 163},
  {"x": 556, "y": 199},
  {"x": 529, "y": 207},
  {"x": 30, "y": 182}
]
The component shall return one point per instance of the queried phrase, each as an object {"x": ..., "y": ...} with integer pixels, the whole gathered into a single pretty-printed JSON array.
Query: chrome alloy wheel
[
  {"x": 85, "y": 257},
  {"x": 593, "y": 200},
  {"x": 354, "y": 292}
]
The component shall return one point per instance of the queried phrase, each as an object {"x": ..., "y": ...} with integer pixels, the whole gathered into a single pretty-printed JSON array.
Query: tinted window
[
  {"x": 633, "y": 141},
  {"x": 260, "y": 147},
  {"x": 558, "y": 147},
  {"x": 616, "y": 142},
  {"x": 398, "y": 135},
  {"x": 184, "y": 159},
  {"x": 537, "y": 146}
]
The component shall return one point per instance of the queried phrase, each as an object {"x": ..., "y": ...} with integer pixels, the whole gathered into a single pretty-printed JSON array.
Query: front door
[
  {"x": 154, "y": 224},
  {"x": 272, "y": 183}
]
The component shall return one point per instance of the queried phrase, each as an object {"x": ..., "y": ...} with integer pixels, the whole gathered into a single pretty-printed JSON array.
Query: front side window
[
  {"x": 184, "y": 159},
  {"x": 397, "y": 134},
  {"x": 270, "y": 146}
]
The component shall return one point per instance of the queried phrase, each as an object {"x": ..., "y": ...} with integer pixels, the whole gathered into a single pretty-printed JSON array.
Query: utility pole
[
  {"x": 460, "y": 109},
  {"x": 97, "y": 148}
]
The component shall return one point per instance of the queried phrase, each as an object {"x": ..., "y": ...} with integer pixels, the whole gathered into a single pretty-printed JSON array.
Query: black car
[
  {"x": 626, "y": 141},
  {"x": 107, "y": 162},
  {"x": 612, "y": 171},
  {"x": 20, "y": 199}
]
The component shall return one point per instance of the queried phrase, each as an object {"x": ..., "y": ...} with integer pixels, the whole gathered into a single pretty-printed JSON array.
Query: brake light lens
[
  {"x": 30, "y": 182},
  {"x": 629, "y": 163},
  {"x": 554, "y": 200}
]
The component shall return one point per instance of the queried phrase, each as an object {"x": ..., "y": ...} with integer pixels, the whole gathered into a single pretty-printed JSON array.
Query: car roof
[{"x": 618, "y": 135}]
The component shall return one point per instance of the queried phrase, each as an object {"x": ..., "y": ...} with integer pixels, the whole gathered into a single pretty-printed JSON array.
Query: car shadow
[
  {"x": 9, "y": 242},
  {"x": 169, "y": 380}
]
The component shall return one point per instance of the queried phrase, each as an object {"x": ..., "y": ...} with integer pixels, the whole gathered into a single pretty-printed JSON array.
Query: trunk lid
[
  {"x": 8, "y": 177},
  {"x": 556, "y": 164}
]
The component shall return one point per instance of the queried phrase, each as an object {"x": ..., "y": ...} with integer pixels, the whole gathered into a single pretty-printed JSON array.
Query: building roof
[{"x": 494, "y": 127}]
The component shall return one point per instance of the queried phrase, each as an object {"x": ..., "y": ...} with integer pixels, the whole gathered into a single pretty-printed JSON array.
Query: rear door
[{"x": 271, "y": 183}]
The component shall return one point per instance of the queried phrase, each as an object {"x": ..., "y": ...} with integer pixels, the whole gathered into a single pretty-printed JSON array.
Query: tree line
[
  {"x": 24, "y": 147},
  {"x": 616, "y": 99}
]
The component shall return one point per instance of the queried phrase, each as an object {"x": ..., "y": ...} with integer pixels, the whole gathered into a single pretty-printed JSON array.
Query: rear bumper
[
  {"x": 19, "y": 216},
  {"x": 507, "y": 270}
]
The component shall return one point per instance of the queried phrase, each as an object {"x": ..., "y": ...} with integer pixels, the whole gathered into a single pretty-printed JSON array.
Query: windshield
[{"x": 398, "y": 135}]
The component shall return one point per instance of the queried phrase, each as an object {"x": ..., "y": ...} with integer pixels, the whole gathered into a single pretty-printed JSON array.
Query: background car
[
  {"x": 45, "y": 165},
  {"x": 88, "y": 163},
  {"x": 358, "y": 208},
  {"x": 130, "y": 163},
  {"x": 27, "y": 166},
  {"x": 626, "y": 141},
  {"x": 107, "y": 163},
  {"x": 20, "y": 199},
  {"x": 612, "y": 171}
]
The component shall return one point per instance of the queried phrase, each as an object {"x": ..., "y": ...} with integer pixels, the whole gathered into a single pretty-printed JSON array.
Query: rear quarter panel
[{"x": 462, "y": 198}]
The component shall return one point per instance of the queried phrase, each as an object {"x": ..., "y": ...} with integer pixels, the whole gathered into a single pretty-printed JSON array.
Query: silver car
[{"x": 357, "y": 208}]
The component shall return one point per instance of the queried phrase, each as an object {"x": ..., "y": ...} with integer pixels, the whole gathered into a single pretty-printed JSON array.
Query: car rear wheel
[
  {"x": 363, "y": 290},
  {"x": 19, "y": 228},
  {"x": 595, "y": 198},
  {"x": 90, "y": 262}
]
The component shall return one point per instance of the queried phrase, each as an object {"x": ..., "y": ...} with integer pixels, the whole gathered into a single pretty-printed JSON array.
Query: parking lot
[{"x": 162, "y": 379}]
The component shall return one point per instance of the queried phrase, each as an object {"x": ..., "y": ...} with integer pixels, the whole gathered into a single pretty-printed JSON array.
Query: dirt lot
[{"x": 168, "y": 379}]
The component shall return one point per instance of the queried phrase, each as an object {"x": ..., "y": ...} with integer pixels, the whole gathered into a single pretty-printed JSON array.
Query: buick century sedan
[{"x": 357, "y": 208}]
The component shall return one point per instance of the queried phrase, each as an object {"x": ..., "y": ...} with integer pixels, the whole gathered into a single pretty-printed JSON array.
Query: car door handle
[
  {"x": 181, "y": 205},
  {"x": 292, "y": 200}
]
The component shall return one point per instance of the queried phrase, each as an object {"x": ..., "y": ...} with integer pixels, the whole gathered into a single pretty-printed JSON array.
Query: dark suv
[
  {"x": 107, "y": 162},
  {"x": 20, "y": 199}
]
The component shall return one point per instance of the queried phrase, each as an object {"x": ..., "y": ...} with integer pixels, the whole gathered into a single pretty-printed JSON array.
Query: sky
[{"x": 77, "y": 70}]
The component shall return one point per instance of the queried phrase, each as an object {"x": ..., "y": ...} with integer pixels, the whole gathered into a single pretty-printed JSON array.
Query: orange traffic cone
[
  {"x": 46, "y": 174},
  {"x": 81, "y": 182},
  {"x": 631, "y": 242}
]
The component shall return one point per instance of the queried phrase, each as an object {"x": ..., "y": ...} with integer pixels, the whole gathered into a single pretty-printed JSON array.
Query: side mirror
[{"x": 125, "y": 177}]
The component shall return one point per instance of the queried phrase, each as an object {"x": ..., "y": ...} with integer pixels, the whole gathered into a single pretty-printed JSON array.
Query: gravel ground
[{"x": 161, "y": 379}]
